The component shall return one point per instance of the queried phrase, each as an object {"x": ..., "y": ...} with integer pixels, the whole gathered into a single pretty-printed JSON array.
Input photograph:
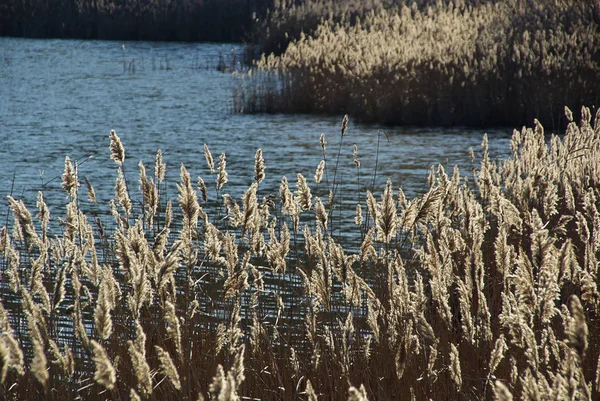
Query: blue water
[{"x": 62, "y": 97}]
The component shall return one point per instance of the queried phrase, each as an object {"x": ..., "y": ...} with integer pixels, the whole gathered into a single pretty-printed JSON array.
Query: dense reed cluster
[
  {"x": 430, "y": 62},
  {"x": 484, "y": 287},
  {"x": 286, "y": 20}
]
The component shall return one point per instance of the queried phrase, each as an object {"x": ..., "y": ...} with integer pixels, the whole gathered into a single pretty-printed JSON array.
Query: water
[{"x": 62, "y": 97}]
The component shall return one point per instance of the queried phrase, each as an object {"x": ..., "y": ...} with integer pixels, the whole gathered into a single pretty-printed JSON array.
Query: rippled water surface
[{"x": 62, "y": 97}]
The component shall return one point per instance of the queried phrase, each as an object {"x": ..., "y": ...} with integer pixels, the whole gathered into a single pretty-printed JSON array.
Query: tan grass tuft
[
  {"x": 102, "y": 316},
  {"x": 287, "y": 198},
  {"x": 221, "y": 388},
  {"x": 355, "y": 394},
  {"x": 310, "y": 392},
  {"x": 222, "y": 175},
  {"x": 39, "y": 363},
  {"x": 497, "y": 354},
  {"x": 344, "y": 124},
  {"x": 159, "y": 167},
  {"x": 173, "y": 326},
  {"x": 117, "y": 151},
  {"x": 597, "y": 380},
  {"x": 355, "y": 156},
  {"x": 577, "y": 329},
  {"x": 386, "y": 217},
  {"x": 358, "y": 217},
  {"x": 121, "y": 193},
  {"x": 320, "y": 213},
  {"x": 141, "y": 369},
  {"x": 134, "y": 396},
  {"x": 259, "y": 166},
  {"x": 209, "y": 159},
  {"x": 105, "y": 372},
  {"x": 188, "y": 202},
  {"x": 90, "y": 191},
  {"x": 203, "y": 190},
  {"x": 11, "y": 355},
  {"x": 69, "y": 178},
  {"x": 501, "y": 392},
  {"x": 303, "y": 196},
  {"x": 23, "y": 222},
  {"x": 455, "y": 371},
  {"x": 167, "y": 367},
  {"x": 319, "y": 171}
]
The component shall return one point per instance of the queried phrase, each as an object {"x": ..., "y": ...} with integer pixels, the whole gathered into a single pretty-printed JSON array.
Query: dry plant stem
[
  {"x": 12, "y": 188},
  {"x": 335, "y": 184},
  {"x": 367, "y": 220}
]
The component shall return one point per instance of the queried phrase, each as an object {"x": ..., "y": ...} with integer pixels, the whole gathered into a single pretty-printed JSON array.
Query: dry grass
[
  {"x": 484, "y": 288},
  {"x": 476, "y": 63}
]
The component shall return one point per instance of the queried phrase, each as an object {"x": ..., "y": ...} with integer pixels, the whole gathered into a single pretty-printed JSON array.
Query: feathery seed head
[
  {"x": 323, "y": 142},
  {"x": 117, "y": 151},
  {"x": 69, "y": 178},
  {"x": 222, "y": 175},
  {"x": 105, "y": 372},
  {"x": 209, "y": 159},
  {"x": 159, "y": 167},
  {"x": 319, "y": 171},
  {"x": 344, "y": 124},
  {"x": 259, "y": 166}
]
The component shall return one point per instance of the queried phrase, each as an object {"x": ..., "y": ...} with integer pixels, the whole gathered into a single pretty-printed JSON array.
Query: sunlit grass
[
  {"x": 435, "y": 63},
  {"x": 481, "y": 288}
]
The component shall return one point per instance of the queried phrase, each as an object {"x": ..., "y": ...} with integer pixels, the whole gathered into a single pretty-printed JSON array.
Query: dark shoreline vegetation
[
  {"x": 164, "y": 20},
  {"x": 396, "y": 62},
  {"x": 486, "y": 287}
]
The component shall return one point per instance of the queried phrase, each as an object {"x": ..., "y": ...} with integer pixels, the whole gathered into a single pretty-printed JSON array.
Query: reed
[
  {"x": 484, "y": 288},
  {"x": 473, "y": 63}
]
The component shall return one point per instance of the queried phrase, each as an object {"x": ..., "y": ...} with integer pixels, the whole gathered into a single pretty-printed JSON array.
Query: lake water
[{"x": 62, "y": 97}]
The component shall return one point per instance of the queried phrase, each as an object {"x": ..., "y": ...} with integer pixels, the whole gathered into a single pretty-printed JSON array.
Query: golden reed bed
[{"x": 485, "y": 287}]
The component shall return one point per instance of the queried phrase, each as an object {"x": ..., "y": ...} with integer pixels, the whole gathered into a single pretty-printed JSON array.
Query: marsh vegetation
[
  {"x": 484, "y": 287},
  {"x": 428, "y": 62}
]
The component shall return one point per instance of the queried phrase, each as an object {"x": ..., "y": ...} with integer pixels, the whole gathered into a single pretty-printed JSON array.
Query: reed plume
[
  {"x": 105, "y": 372},
  {"x": 141, "y": 369},
  {"x": 69, "y": 178},
  {"x": 303, "y": 196},
  {"x": 259, "y": 166},
  {"x": 209, "y": 159},
  {"x": 386, "y": 216},
  {"x": 117, "y": 150},
  {"x": 188, "y": 202},
  {"x": 159, "y": 167},
  {"x": 319, "y": 171},
  {"x": 222, "y": 174},
  {"x": 167, "y": 367}
]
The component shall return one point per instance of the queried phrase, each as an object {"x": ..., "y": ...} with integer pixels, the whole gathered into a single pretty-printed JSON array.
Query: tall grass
[
  {"x": 286, "y": 20},
  {"x": 445, "y": 62},
  {"x": 482, "y": 288}
]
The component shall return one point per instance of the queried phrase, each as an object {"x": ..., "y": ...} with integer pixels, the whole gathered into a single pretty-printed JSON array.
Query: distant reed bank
[
  {"x": 446, "y": 63},
  {"x": 164, "y": 20}
]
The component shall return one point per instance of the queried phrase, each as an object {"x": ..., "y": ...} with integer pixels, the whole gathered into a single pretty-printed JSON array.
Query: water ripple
[{"x": 62, "y": 97}]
